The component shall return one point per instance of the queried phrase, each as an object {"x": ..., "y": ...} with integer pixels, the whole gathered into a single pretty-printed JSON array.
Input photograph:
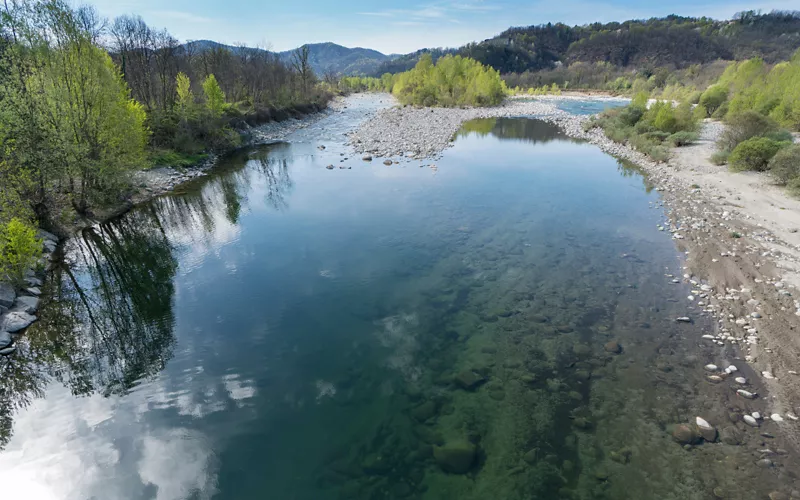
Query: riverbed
[{"x": 304, "y": 324}]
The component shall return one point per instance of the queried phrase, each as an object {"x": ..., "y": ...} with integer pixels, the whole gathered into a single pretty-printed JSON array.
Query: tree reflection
[
  {"x": 106, "y": 320},
  {"x": 523, "y": 129}
]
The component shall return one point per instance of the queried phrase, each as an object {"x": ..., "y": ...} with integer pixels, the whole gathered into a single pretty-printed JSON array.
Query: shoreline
[{"x": 740, "y": 243}]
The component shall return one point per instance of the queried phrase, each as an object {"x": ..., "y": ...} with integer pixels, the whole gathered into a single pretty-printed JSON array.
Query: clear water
[
  {"x": 578, "y": 107},
  {"x": 284, "y": 331}
]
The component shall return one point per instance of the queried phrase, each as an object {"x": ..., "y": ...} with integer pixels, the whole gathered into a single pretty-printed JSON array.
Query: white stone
[
  {"x": 703, "y": 424},
  {"x": 767, "y": 375},
  {"x": 756, "y": 415},
  {"x": 746, "y": 394},
  {"x": 740, "y": 380},
  {"x": 776, "y": 418},
  {"x": 711, "y": 367},
  {"x": 750, "y": 421}
]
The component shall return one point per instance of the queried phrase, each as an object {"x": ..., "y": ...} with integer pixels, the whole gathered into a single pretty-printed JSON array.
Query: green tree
[
  {"x": 215, "y": 97},
  {"x": 185, "y": 103},
  {"x": 754, "y": 154},
  {"x": 20, "y": 249}
]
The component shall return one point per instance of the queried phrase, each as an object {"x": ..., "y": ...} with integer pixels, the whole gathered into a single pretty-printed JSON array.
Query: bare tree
[{"x": 302, "y": 66}]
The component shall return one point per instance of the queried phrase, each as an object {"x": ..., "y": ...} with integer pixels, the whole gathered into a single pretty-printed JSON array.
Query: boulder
[
  {"x": 469, "y": 380},
  {"x": 613, "y": 347},
  {"x": 424, "y": 411},
  {"x": 8, "y": 350},
  {"x": 387, "y": 162},
  {"x": 27, "y": 304},
  {"x": 5, "y": 339},
  {"x": 41, "y": 233},
  {"x": 16, "y": 321},
  {"x": 455, "y": 457},
  {"x": 684, "y": 434},
  {"x": 367, "y": 157},
  {"x": 707, "y": 431},
  {"x": 731, "y": 435},
  {"x": 7, "y": 295}
]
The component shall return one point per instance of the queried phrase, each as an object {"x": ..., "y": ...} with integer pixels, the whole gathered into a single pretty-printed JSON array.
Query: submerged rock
[
  {"x": 613, "y": 347},
  {"x": 367, "y": 157},
  {"x": 8, "y": 350},
  {"x": 469, "y": 380},
  {"x": 707, "y": 430},
  {"x": 387, "y": 162},
  {"x": 731, "y": 435},
  {"x": 455, "y": 457},
  {"x": 16, "y": 321},
  {"x": 5, "y": 339},
  {"x": 684, "y": 434},
  {"x": 424, "y": 411}
]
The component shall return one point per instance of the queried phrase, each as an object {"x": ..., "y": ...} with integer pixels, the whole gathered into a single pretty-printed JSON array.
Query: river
[{"x": 499, "y": 325}]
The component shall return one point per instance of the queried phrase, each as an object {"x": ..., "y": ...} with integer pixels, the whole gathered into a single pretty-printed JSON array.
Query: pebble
[
  {"x": 683, "y": 319},
  {"x": 711, "y": 367},
  {"x": 776, "y": 418},
  {"x": 740, "y": 380},
  {"x": 750, "y": 421},
  {"x": 746, "y": 394}
]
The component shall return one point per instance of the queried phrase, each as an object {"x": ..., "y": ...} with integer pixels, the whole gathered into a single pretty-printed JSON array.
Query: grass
[{"x": 172, "y": 158}]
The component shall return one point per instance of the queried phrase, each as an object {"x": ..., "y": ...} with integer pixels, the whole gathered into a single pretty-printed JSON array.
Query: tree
[
  {"x": 302, "y": 67},
  {"x": 215, "y": 98}
]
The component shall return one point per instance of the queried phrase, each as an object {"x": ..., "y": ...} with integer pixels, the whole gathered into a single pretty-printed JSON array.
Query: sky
[{"x": 395, "y": 26}]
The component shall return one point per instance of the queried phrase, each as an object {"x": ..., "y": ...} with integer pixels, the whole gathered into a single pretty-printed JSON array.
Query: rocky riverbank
[
  {"x": 742, "y": 261},
  {"x": 19, "y": 305}
]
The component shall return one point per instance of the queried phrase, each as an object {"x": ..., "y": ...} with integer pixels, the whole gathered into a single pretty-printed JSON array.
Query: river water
[{"x": 281, "y": 330}]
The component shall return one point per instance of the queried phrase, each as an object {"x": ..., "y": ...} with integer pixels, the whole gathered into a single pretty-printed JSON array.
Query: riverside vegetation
[
  {"x": 78, "y": 118},
  {"x": 758, "y": 102}
]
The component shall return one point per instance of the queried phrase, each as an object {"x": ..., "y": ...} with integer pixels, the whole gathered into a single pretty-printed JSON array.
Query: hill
[
  {"x": 669, "y": 41},
  {"x": 330, "y": 57}
]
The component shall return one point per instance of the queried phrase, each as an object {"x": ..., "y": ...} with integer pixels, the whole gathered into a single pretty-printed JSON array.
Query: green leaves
[
  {"x": 20, "y": 250},
  {"x": 452, "y": 81},
  {"x": 215, "y": 98}
]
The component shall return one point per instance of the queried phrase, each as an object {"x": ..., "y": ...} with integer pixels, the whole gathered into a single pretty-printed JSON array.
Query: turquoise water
[
  {"x": 577, "y": 107},
  {"x": 279, "y": 330}
]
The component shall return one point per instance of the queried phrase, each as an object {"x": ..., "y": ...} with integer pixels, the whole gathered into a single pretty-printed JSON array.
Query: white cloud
[{"x": 181, "y": 16}]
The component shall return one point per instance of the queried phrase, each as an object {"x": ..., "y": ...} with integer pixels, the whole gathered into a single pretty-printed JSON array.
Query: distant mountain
[
  {"x": 672, "y": 41},
  {"x": 325, "y": 57}
]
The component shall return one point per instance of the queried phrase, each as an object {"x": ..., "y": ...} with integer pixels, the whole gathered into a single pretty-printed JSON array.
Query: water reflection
[
  {"x": 108, "y": 321},
  {"x": 532, "y": 131}
]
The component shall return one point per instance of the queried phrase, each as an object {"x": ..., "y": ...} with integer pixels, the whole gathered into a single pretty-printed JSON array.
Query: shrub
[
  {"x": 649, "y": 147},
  {"x": 682, "y": 138},
  {"x": 720, "y": 157},
  {"x": 19, "y": 250},
  {"x": 785, "y": 165},
  {"x": 781, "y": 135},
  {"x": 743, "y": 126},
  {"x": 793, "y": 186},
  {"x": 644, "y": 127},
  {"x": 656, "y": 136},
  {"x": 714, "y": 97},
  {"x": 630, "y": 115},
  {"x": 754, "y": 154}
]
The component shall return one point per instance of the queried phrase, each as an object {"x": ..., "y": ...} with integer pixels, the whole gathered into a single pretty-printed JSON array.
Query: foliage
[
  {"x": 171, "y": 158},
  {"x": 743, "y": 126},
  {"x": 713, "y": 98},
  {"x": 682, "y": 138},
  {"x": 785, "y": 165},
  {"x": 215, "y": 97},
  {"x": 720, "y": 157},
  {"x": 19, "y": 250},
  {"x": 452, "y": 81},
  {"x": 753, "y": 154},
  {"x": 770, "y": 90}
]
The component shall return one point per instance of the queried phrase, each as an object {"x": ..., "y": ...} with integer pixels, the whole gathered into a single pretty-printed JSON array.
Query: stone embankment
[{"x": 19, "y": 305}]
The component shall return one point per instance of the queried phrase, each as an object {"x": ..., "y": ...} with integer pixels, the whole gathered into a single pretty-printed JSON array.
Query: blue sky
[{"x": 394, "y": 25}]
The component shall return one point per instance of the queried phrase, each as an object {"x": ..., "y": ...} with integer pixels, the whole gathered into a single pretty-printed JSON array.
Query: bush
[
  {"x": 19, "y": 250},
  {"x": 781, "y": 135},
  {"x": 453, "y": 81},
  {"x": 682, "y": 138},
  {"x": 793, "y": 186},
  {"x": 743, "y": 126},
  {"x": 644, "y": 127},
  {"x": 785, "y": 165},
  {"x": 649, "y": 147},
  {"x": 630, "y": 115},
  {"x": 720, "y": 157},
  {"x": 171, "y": 158},
  {"x": 754, "y": 154},
  {"x": 714, "y": 97},
  {"x": 656, "y": 136}
]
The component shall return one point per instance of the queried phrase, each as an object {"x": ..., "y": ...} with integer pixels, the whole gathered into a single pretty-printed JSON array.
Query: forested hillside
[
  {"x": 671, "y": 41},
  {"x": 326, "y": 58}
]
